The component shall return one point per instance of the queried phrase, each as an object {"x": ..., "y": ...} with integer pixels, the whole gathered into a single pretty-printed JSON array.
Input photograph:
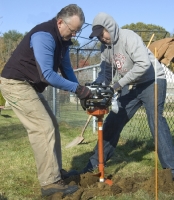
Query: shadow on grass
[
  {"x": 131, "y": 151},
  {"x": 126, "y": 152},
  {"x": 6, "y": 116},
  {"x": 3, "y": 197},
  {"x": 12, "y": 131}
]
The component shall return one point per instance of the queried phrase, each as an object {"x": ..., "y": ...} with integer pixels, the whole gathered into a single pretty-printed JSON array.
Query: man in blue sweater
[{"x": 33, "y": 66}]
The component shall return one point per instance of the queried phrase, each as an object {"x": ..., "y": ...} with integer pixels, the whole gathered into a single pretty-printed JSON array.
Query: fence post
[{"x": 54, "y": 100}]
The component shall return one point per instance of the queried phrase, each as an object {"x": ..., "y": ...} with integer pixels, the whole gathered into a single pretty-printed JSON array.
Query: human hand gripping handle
[
  {"x": 83, "y": 93},
  {"x": 116, "y": 87}
]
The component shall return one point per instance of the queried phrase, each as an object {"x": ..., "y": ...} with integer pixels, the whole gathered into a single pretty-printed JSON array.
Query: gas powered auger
[
  {"x": 98, "y": 106},
  {"x": 101, "y": 98}
]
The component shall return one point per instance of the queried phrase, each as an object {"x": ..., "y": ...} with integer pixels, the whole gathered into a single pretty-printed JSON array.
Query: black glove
[
  {"x": 116, "y": 87},
  {"x": 83, "y": 103},
  {"x": 83, "y": 93}
]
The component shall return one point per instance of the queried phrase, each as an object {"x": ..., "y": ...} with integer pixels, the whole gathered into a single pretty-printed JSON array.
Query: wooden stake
[{"x": 150, "y": 40}]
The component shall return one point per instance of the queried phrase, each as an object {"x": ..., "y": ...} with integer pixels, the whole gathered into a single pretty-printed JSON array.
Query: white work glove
[{"x": 114, "y": 103}]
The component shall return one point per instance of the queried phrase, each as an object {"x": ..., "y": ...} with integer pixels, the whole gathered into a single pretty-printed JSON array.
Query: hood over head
[{"x": 108, "y": 22}]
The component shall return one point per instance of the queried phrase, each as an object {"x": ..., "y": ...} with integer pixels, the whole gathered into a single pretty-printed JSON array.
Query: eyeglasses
[{"x": 72, "y": 31}]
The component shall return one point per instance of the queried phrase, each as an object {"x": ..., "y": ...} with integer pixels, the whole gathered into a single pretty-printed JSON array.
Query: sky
[{"x": 23, "y": 15}]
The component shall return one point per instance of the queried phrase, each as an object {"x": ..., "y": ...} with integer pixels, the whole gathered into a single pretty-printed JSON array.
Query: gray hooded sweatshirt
[{"x": 127, "y": 56}]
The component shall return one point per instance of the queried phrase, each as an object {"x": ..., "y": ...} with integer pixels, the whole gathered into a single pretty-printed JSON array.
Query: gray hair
[{"x": 69, "y": 11}]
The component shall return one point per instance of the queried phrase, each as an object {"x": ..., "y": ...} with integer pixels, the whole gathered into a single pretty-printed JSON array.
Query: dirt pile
[{"x": 91, "y": 187}]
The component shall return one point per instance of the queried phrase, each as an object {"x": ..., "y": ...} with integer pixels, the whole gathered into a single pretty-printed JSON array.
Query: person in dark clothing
[
  {"x": 128, "y": 65},
  {"x": 124, "y": 53},
  {"x": 32, "y": 67}
]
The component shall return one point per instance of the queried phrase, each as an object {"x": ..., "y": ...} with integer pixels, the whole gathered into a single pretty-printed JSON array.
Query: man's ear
[{"x": 59, "y": 22}]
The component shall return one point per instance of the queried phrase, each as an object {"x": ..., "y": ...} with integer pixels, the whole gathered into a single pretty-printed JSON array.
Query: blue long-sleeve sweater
[{"x": 43, "y": 45}]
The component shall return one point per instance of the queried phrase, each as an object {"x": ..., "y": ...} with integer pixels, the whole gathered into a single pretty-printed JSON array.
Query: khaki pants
[{"x": 41, "y": 125}]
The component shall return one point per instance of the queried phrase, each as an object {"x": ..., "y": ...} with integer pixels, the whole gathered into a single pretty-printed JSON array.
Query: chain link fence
[{"x": 67, "y": 107}]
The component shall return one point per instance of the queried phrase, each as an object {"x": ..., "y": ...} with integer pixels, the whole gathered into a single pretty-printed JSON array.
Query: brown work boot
[{"x": 58, "y": 186}]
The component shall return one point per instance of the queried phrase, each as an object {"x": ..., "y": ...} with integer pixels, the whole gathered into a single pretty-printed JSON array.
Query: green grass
[
  {"x": 18, "y": 177},
  {"x": 17, "y": 168},
  {"x": 2, "y": 100}
]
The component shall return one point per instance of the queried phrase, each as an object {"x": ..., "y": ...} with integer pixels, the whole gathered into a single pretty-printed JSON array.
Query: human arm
[
  {"x": 138, "y": 54},
  {"x": 66, "y": 69},
  {"x": 43, "y": 46}
]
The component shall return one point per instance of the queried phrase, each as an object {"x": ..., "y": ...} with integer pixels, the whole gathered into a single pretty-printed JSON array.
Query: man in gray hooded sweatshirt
[{"x": 124, "y": 52}]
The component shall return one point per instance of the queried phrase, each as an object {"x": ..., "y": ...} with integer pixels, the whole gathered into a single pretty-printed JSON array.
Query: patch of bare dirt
[{"x": 90, "y": 187}]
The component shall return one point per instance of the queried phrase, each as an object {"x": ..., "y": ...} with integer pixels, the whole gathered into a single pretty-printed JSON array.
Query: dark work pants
[{"x": 129, "y": 102}]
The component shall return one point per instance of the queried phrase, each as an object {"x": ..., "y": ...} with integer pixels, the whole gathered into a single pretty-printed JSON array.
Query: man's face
[
  {"x": 69, "y": 28},
  {"x": 105, "y": 37}
]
